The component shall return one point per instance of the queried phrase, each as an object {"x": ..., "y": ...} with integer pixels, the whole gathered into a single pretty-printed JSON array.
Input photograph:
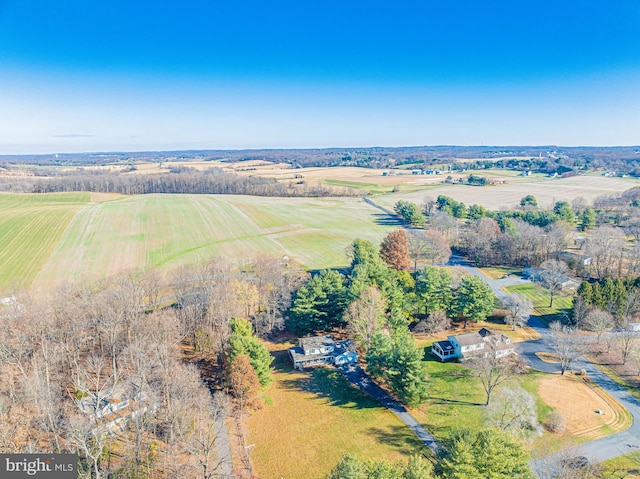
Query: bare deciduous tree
[
  {"x": 494, "y": 370},
  {"x": 520, "y": 308},
  {"x": 553, "y": 276},
  {"x": 598, "y": 321},
  {"x": 605, "y": 246},
  {"x": 515, "y": 410},
  {"x": 565, "y": 344},
  {"x": 365, "y": 316},
  {"x": 626, "y": 339}
]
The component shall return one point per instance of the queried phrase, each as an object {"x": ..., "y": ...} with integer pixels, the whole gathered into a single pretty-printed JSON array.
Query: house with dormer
[
  {"x": 476, "y": 344},
  {"x": 322, "y": 350}
]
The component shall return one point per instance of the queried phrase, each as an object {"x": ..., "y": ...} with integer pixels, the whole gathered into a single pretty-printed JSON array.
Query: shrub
[{"x": 555, "y": 422}]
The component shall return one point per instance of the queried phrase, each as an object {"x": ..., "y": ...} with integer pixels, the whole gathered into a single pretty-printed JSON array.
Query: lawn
[
  {"x": 497, "y": 272},
  {"x": 30, "y": 228},
  {"x": 168, "y": 231},
  {"x": 623, "y": 467},
  {"x": 316, "y": 417},
  {"x": 456, "y": 400},
  {"x": 562, "y": 304}
]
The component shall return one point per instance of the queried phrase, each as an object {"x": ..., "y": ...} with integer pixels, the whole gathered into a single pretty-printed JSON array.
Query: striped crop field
[
  {"x": 31, "y": 227},
  {"x": 101, "y": 238}
]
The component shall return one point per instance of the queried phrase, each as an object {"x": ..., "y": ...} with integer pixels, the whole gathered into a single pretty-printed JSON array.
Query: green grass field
[
  {"x": 31, "y": 227},
  {"x": 316, "y": 417},
  {"x": 562, "y": 304},
  {"x": 48, "y": 239}
]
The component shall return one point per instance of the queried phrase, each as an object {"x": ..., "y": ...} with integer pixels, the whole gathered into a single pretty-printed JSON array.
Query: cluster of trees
[
  {"x": 619, "y": 298},
  {"x": 559, "y": 159},
  {"x": 529, "y": 236},
  {"x": 467, "y": 455},
  {"x": 378, "y": 300},
  {"x": 182, "y": 180},
  {"x": 409, "y": 212},
  {"x": 378, "y": 282},
  {"x": 61, "y": 362}
]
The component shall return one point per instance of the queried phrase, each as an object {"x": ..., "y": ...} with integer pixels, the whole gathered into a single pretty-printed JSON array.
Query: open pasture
[
  {"x": 316, "y": 417},
  {"x": 168, "y": 231},
  {"x": 30, "y": 228},
  {"x": 507, "y": 195}
]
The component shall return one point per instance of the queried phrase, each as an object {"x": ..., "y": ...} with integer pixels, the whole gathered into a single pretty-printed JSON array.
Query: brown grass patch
[{"x": 578, "y": 401}]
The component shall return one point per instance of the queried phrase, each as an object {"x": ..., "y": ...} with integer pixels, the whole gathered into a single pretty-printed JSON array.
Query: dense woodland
[{"x": 131, "y": 372}]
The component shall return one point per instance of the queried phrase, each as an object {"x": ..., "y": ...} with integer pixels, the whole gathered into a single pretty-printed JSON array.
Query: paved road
[
  {"x": 223, "y": 448},
  {"x": 361, "y": 380},
  {"x": 600, "y": 449}
]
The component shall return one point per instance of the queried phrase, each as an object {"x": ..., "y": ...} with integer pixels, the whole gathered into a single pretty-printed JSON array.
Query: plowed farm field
[
  {"x": 47, "y": 240},
  {"x": 31, "y": 227}
]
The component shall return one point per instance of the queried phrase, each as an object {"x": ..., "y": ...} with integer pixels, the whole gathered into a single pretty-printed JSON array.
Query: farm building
[
  {"x": 322, "y": 350},
  {"x": 468, "y": 345}
]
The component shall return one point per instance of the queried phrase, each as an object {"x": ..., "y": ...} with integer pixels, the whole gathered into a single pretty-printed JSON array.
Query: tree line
[{"x": 179, "y": 181}]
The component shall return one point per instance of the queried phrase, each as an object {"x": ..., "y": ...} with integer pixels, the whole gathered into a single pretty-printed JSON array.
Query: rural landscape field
[
  {"x": 70, "y": 237},
  {"x": 79, "y": 236},
  {"x": 319, "y": 240},
  {"x": 284, "y": 252}
]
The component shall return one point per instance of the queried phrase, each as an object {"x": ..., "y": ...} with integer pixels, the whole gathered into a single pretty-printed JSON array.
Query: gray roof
[
  {"x": 468, "y": 339},
  {"x": 316, "y": 342},
  {"x": 340, "y": 347}
]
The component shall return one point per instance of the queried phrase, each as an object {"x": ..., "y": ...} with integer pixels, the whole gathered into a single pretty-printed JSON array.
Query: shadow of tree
[
  {"x": 447, "y": 401},
  {"x": 330, "y": 384},
  {"x": 400, "y": 437},
  {"x": 383, "y": 219}
]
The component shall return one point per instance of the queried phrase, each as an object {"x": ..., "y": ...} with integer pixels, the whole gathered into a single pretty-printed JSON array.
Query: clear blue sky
[{"x": 137, "y": 75}]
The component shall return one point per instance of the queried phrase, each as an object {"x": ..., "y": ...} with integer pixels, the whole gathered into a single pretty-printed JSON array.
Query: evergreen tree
[
  {"x": 405, "y": 373},
  {"x": 529, "y": 200},
  {"x": 499, "y": 456},
  {"x": 378, "y": 353},
  {"x": 418, "y": 468},
  {"x": 349, "y": 467},
  {"x": 588, "y": 219},
  {"x": 243, "y": 341},
  {"x": 474, "y": 300},
  {"x": 433, "y": 287},
  {"x": 486, "y": 454},
  {"x": 586, "y": 291},
  {"x": 564, "y": 211},
  {"x": 318, "y": 305},
  {"x": 460, "y": 461}
]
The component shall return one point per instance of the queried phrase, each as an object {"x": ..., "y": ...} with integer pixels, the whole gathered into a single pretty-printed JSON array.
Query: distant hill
[{"x": 538, "y": 158}]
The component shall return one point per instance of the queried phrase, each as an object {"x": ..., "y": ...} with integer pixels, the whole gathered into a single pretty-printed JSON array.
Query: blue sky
[{"x": 138, "y": 75}]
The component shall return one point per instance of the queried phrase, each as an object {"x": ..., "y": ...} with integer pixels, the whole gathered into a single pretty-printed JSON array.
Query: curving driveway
[
  {"x": 598, "y": 450},
  {"x": 601, "y": 449}
]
